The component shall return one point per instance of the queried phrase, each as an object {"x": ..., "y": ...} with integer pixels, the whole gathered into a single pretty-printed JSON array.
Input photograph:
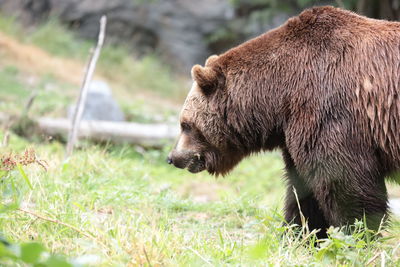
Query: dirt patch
[
  {"x": 37, "y": 62},
  {"x": 202, "y": 192},
  {"x": 31, "y": 59}
]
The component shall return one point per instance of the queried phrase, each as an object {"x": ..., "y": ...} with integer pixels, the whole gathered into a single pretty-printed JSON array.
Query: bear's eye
[{"x": 185, "y": 127}]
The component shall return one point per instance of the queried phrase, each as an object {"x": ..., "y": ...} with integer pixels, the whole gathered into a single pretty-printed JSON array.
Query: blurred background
[
  {"x": 150, "y": 45},
  {"x": 181, "y": 32}
]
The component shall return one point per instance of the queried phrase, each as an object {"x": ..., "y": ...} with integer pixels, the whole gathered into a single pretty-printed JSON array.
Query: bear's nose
[{"x": 169, "y": 160}]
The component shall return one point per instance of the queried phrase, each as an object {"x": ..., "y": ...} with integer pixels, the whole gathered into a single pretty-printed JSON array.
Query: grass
[
  {"x": 17, "y": 86},
  {"x": 141, "y": 211},
  {"x": 54, "y": 96},
  {"x": 116, "y": 62},
  {"x": 133, "y": 202}
]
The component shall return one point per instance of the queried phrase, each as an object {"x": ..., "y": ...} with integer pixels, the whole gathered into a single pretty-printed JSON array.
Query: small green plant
[
  {"x": 340, "y": 248},
  {"x": 32, "y": 253},
  {"x": 10, "y": 164}
]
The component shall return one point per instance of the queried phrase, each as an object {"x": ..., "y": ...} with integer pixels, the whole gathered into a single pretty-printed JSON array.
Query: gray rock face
[
  {"x": 184, "y": 32},
  {"x": 175, "y": 28},
  {"x": 100, "y": 104},
  {"x": 28, "y": 11}
]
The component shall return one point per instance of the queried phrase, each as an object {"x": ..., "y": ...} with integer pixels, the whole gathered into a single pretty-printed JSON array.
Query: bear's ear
[
  {"x": 210, "y": 60},
  {"x": 206, "y": 77}
]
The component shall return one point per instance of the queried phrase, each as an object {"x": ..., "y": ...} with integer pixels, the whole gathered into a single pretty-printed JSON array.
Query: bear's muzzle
[{"x": 193, "y": 161}]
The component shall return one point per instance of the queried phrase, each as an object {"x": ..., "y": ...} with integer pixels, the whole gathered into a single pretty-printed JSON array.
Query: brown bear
[{"x": 323, "y": 88}]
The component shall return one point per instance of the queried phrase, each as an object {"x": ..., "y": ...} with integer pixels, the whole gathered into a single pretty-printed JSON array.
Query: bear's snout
[
  {"x": 169, "y": 160},
  {"x": 193, "y": 161}
]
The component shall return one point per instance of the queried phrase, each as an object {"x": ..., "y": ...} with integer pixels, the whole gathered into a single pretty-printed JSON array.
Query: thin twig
[
  {"x": 147, "y": 257},
  {"x": 373, "y": 258},
  {"x": 302, "y": 218},
  {"x": 63, "y": 224},
  {"x": 85, "y": 87},
  {"x": 6, "y": 138},
  {"x": 7, "y": 121},
  {"x": 201, "y": 257},
  {"x": 29, "y": 103},
  {"x": 10, "y": 121},
  {"x": 305, "y": 239}
]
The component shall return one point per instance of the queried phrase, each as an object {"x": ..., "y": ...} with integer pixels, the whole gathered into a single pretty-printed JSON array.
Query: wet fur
[{"x": 324, "y": 88}]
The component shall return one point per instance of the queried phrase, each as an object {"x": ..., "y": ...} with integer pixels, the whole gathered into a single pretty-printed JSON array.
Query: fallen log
[
  {"x": 118, "y": 132},
  {"x": 147, "y": 135}
]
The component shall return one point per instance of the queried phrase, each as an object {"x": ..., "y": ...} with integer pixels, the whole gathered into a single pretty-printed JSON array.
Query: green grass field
[
  {"x": 133, "y": 208},
  {"x": 120, "y": 205}
]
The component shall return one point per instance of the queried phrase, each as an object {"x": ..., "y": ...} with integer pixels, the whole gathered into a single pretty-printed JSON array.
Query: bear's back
[
  {"x": 362, "y": 62},
  {"x": 336, "y": 58}
]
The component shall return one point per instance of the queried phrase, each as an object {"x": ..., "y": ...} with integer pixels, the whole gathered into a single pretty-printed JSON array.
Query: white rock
[{"x": 394, "y": 206}]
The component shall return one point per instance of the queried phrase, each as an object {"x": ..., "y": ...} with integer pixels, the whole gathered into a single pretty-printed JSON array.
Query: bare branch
[
  {"x": 73, "y": 134},
  {"x": 29, "y": 103},
  {"x": 6, "y": 138}
]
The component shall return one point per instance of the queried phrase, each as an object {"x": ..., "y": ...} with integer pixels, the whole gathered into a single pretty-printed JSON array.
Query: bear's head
[{"x": 205, "y": 141}]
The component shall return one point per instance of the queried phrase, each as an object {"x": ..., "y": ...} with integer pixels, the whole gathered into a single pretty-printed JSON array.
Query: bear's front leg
[
  {"x": 312, "y": 213},
  {"x": 307, "y": 202}
]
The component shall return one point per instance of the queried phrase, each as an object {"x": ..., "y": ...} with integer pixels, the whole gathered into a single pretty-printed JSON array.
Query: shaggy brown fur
[{"x": 324, "y": 88}]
